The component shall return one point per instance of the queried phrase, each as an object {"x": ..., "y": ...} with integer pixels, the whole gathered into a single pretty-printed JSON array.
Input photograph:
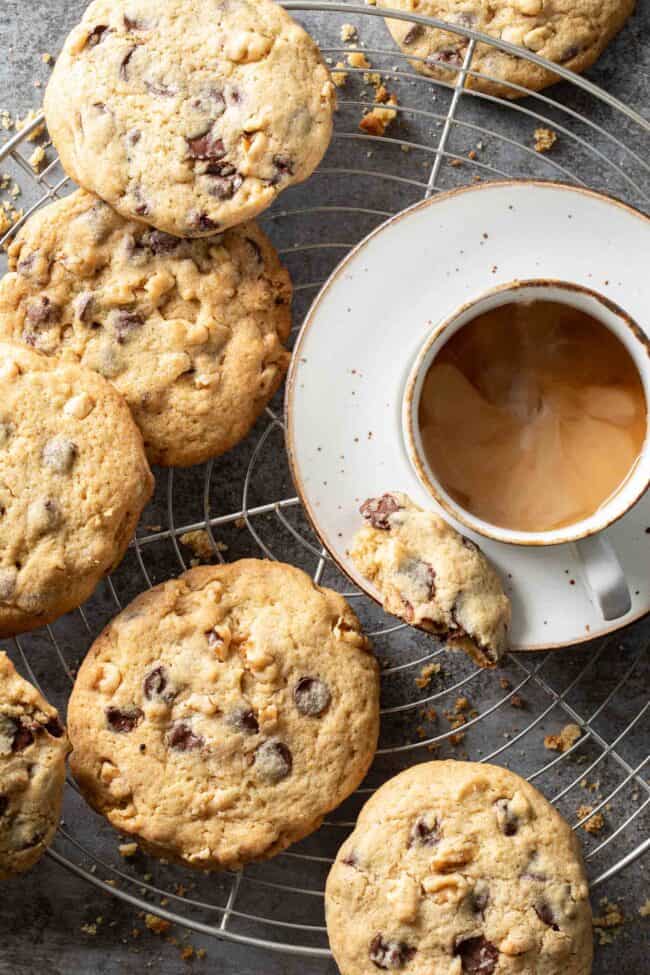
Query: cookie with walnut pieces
[
  {"x": 459, "y": 868},
  {"x": 432, "y": 576},
  {"x": 572, "y": 33},
  {"x": 191, "y": 332},
  {"x": 190, "y": 115},
  {"x": 224, "y": 713},
  {"x": 33, "y": 750},
  {"x": 73, "y": 481}
]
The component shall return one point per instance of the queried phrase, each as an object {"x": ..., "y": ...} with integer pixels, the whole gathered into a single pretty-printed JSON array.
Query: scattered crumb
[
  {"x": 565, "y": 740},
  {"x": 545, "y": 139},
  {"x": 644, "y": 910},
  {"x": 457, "y": 738},
  {"x": 472, "y": 154},
  {"x": 612, "y": 917},
  {"x": 201, "y": 953},
  {"x": 376, "y": 121},
  {"x": 187, "y": 953},
  {"x": 456, "y": 162},
  {"x": 517, "y": 701},
  {"x": 431, "y": 714},
  {"x": 374, "y": 78},
  {"x": 47, "y": 58},
  {"x": 89, "y": 929},
  {"x": 240, "y": 523},
  {"x": 37, "y": 159},
  {"x": 199, "y": 542},
  {"x": 157, "y": 924},
  {"x": 356, "y": 59},
  {"x": 426, "y": 674},
  {"x": 462, "y": 704},
  {"x": 29, "y": 118},
  {"x": 595, "y": 823},
  {"x": 339, "y": 77},
  {"x": 128, "y": 849},
  {"x": 505, "y": 683},
  {"x": 349, "y": 32}
]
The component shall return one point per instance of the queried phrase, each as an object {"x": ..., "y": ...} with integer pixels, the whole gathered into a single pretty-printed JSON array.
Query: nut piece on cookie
[
  {"x": 33, "y": 750},
  {"x": 214, "y": 757},
  {"x": 429, "y": 881},
  {"x": 433, "y": 577},
  {"x": 73, "y": 481}
]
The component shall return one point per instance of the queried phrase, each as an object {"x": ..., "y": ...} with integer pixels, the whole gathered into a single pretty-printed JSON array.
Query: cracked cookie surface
[
  {"x": 33, "y": 750},
  {"x": 432, "y": 576},
  {"x": 459, "y": 868},
  {"x": 73, "y": 481},
  {"x": 224, "y": 713},
  {"x": 189, "y": 331},
  {"x": 190, "y": 115},
  {"x": 572, "y": 33}
]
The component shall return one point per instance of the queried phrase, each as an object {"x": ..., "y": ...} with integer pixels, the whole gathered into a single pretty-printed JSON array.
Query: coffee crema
[{"x": 532, "y": 416}]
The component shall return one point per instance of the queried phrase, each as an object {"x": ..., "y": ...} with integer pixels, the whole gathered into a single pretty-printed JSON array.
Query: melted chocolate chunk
[
  {"x": 201, "y": 221},
  {"x": 23, "y": 736},
  {"x": 124, "y": 66},
  {"x": 182, "y": 738},
  {"x": 544, "y": 912},
  {"x": 159, "y": 242},
  {"x": 4, "y": 804},
  {"x": 96, "y": 35},
  {"x": 257, "y": 250},
  {"x": 244, "y": 720},
  {"x": 125, "y": 323},
  {"x": 273, "y": 760},
  {"x": 130, "y": 23},
  {"x": 431, "y": 579},
  {"x": 42, "y": 311},
  {"x": 54, "y": 728},
  {"x": 570, "y": 53},
  {"x": 378, "y": 510},
  {"x": 390, "y": 955},
  {"x": 283, "y": 167},
  {"x": 206, "y": 146},
  {"x": 468, "y": 543},
  {"x": 425, "y": 833},
  {"x": 164, "y": 91},
  {"x": 479, "y": 898},
  {"x": 156, "y": 684},
  {"x": 224, "y": 180},
  {"x": 507, "y": 820},
  {"x": 123, "y": 720},
  {"x": 312, "y": 696},
  {"x": 351, "y": 859},
  {"x": 412, "y": 34},
  {"x": 451, "y": 56},
  {"x": 478, "y": 955}
]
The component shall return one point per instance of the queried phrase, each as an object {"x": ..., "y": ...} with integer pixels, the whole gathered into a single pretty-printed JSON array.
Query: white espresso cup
[{"x": 602, "y": 569}]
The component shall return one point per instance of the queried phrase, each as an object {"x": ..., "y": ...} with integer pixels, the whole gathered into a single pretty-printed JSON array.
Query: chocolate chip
[
  {"x": 4, "y": 804},
  {"x": 570, "y": 53},
  {"x": 156, "y": 684},
  {"x": 390, "y": 954},
  {"x": 257, "y": 250},
  {"x": 182, "y": 739},
  {"x": 130, "y": 23},
  {"x": 124, "y": 73},
  {"x": 425, "y": 833},
  {"x": 378, "y": 510},
  {"x": 283, "y": 167},
  {"x": 201, "y": 221},
  {"x": 159, "y": 242},
  {"x": 468, "y": 543},
  {"x": 478, "y": 955},
  {"x": 59, "y": 454},
  {"x": 312, "y": 696},
  {"x": 244, "y": 720},
  {"x": 123, "y": 719},
  {"x": 452, "y": 56},
  {"x": 54, "y": 728},
  {"x": 544, "y": 912},
  {"x": 96, "y": 35},
  {"x": 164, "y": 91},
  {"x": 351, "y": 859},
  {"x": 206, "y": 146},
  {"x": 507, "y": 820},
  {"x": 273, "y": 760},
  {"x": 27, "y": 264},
  {"x": 224, "y": 180},
  {"x": 125, "y": 323},
  {"x": 23, "y": 736},
  {"x": 479, "y": 898},
  {"x": 210, "y": 103},
  {"x": 412, "y": 34},
  {"x": 42, "y": 311}
]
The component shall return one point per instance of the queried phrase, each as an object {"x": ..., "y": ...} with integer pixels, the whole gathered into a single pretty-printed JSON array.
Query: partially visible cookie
[
  {"x": 459, "y": 868},
  {"x": 223, "y": 714},
  {"x": 189, "y": 331},
  {"x": 432, "y": 576},
  {"x": 191, "y": 115},
  {"x": 572, "y": 34},
  {"x": 73, "y": 481},
  {"x": 33, "y": 749}
]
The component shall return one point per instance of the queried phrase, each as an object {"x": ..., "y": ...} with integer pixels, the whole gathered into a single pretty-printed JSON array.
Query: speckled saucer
[{"x": 353, "y": 355}]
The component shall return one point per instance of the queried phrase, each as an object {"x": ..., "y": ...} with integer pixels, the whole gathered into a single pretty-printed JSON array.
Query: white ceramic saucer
[{"x": 345, "y": 387}]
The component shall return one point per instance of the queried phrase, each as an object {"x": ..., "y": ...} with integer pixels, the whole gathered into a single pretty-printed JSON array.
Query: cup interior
[{"x": 603, "y": 310}]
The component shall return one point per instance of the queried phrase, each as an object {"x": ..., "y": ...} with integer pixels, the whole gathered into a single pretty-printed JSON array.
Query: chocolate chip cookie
[
  {"x": 73, "y": 481},
  {"x": 572, "y": 33},
  {"x": 189, "y": 331},
  {"x": 33, "y": 749},
  {"x": 432, "y": 576},
  {"x": 458, "y": 867},
  {"x": 224, "y": 713},
  {"x": 191, "y": 115}
]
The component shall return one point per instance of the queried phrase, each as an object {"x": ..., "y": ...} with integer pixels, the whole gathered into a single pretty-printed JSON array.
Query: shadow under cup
[{"x": 603, "y": 573}]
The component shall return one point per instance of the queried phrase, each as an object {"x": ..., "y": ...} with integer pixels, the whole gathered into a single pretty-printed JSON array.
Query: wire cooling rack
[{"x": 444, "y": 136}]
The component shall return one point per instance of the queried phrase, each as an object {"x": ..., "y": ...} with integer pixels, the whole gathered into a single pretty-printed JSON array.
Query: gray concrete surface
[{"x": 53, "y": 921}]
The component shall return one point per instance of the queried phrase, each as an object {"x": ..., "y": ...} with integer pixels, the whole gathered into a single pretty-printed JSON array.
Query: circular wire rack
[{"x": 434, "y": 703}]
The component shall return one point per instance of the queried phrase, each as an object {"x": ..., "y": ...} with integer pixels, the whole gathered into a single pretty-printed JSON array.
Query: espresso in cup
[{"x": 532, "y": 415}]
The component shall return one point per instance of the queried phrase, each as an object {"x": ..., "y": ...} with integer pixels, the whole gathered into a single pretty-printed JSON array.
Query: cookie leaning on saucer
[
  {"x": 459, "y": 868},
  {"x": 73, "y": 481},
  {"x": 189, "y": 331},
  {"x": 224, "y": 713},
  {"x": 432, "y": 576},
  {"x": 33, "y": 750},
  {"x": 571, "y": 34},
  {"x": 191, "y": 115}
]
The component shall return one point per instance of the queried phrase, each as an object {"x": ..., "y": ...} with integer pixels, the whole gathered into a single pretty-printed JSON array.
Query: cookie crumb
[
  {"x": 37, "y": 159},
  {"x": 187, "y": 953},
  {"x": 644, "y": 910},
  {"x": 462, "y": 704},
  {"x": 47, "y": 58},
  {"x": 356, "y": 59},
  {"x": 29, "y": 118},
  {"x": 545, "y": 139},
  {"x": 349, "y": 32},
  {"x": 339, "y": 76},
  {"x": 128, "y": 849},
  {"x": 157, "y": 924},
  {"x": 517, "y": 701},
  {"x": 595, "y": 823},
  {"x": 505, "y": 683},
  {"x": 426, "y": 674},
  {"x": 200, "y": 544},
  {"x": 612, "y": 917},
  {"x": 565, "y": 740}
]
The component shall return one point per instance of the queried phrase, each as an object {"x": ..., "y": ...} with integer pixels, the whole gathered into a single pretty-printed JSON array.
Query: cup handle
[{"x": 604, "y": 576}]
